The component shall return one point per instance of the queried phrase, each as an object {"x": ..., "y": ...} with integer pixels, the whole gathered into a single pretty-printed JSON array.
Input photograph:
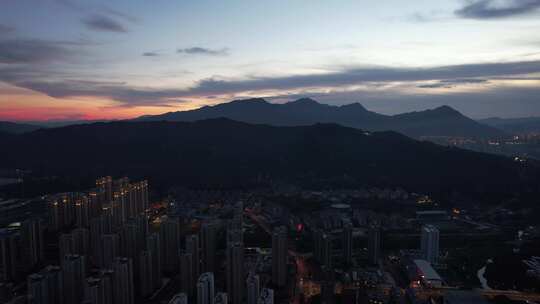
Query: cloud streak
[
  {"x": 355, "y": 76},
  {"x": 490, "y": 9},
  {"x": 99, "y": 9},
  {"x": 33, "y": 51},
  {"x": 450, "y": 83},
  {"x": 103, "y": 23},
  {"x": 131, "y": 96},
  {"x": 150, "y": 54},
  {"x": 203, "y": 51}
]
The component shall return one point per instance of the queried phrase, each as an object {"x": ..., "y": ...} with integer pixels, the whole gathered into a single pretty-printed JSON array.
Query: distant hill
[
  {"x": 514, "y": 125},
  {"x": 63, "y": 123},
  {"x": 17, "y": 128},
  {"x": 442, "y": 121},
  {"x": 221, "y": 151}
]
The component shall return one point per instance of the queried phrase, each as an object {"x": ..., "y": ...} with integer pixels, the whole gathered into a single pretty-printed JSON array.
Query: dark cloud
[
  {"x": 70, "y": 88},
  {"x": 150, "y": 54},
  {"x": 104, "y": 23},
  {"x": 464, "y": 81},
  {"x": 355, "y": 76},
  {"x": 6, "y": 29},
  {"x": 85, "y": 7},
  {"x": 119, "y": 91},
  {"x": 437, "y": 85},
  {"x": 204, "y": 51},
  {"x": 450, "y": 83},
  {"x": 370, "y": 78},
  {"x": 490, "y": 9},
  {"x": 33, "y": 51}
]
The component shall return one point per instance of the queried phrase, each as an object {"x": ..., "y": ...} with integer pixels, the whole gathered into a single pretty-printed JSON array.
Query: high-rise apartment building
[
  {"x": 186, "y": 272},
  {"x": 430, "y": 243},
  {"x": 205, "y": 288},
  {"x": 235, "y": 272},
  {"x": 374, "y": 244},
  {"x": 170, "y": 244},
  {"x": 105, "y": 184},
  {"x": 267, "y": 296},
  {"x": 145, "y": 282},
  {"x": 253, "y": 289},
  {"x": 221, "y": 298},
  {"x": 73, "y": 275},
  {"x": 9, "y": 256},
  {"x": 193, "y": 248},
  {"x": 179, "y": 298},
  {"x": 123, "y": 288},
  {"x": 111, "y": 249},
  {"x": 96, "y": 290},
  {"x": 46, "y": 287},
  {"x": 208, "y": 238},
  {"x": 82, "y": 211},
  {"x": 347, "y": 244},
  {"x": 154, "y": 247},
  {"x": 32, "y": 231},
  {"x": 279, "y": 256}
]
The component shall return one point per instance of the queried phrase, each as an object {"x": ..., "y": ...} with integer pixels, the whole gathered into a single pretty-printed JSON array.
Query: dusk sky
[{"x": 72, "y": 60}]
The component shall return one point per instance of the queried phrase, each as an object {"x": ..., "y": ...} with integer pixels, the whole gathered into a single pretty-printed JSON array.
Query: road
[{"x": 302, "y": 285}]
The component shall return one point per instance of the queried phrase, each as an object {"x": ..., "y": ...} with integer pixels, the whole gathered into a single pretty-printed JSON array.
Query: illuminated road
[
  {"x": 310, "y": 288},
  {"x": 511, "y": 294},
  {"x": 306, "y": 286}
]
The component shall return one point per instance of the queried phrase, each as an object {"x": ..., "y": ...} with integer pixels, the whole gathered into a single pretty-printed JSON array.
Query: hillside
[
  {"x": 16, "y": 128},
  {"x": 225, "y": 151},
  {"x": 442, "y": 121},
  {"x": 514, "y": 125}
]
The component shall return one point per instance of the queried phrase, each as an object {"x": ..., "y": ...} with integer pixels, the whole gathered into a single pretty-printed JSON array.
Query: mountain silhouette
[
  {"x": 441, "y": 121},
  {"x": 16, "y": 128},
  {"x": 522, "y": 125},
  {"x": 223, "y": 151}
]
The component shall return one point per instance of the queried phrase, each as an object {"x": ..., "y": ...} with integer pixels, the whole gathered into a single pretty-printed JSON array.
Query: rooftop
[{"x": 427, "y": 272}]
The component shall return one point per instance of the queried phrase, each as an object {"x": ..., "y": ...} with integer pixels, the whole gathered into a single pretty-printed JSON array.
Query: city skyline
[
  {"x": 261, "y": 152},
  {"x": 117, "y": 60},
  {"x": 351, "y": 245}
]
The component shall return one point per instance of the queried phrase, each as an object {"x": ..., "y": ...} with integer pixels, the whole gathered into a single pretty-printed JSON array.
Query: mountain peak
[
  {"x": 354, "y": 105},
  {"x": 305, "y": 101},
  {"x": 440, "y": 121},
  {"x": 446, "y": 110},
  {"x": 250, "y": 100}
]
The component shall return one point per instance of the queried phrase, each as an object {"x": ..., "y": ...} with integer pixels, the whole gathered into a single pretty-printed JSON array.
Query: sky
[{"x": 117, "y": 59}]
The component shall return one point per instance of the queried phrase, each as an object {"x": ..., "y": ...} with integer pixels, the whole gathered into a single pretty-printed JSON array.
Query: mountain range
[
  {"x": 514, "y": 125},
  {"x": 441, "y": 121},
  {"x": 17, "y": 128},
  {"x": 29, "y": 126},
  {"x": 222, "y": 151}
]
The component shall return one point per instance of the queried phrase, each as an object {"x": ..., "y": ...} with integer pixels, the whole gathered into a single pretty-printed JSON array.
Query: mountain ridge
[
  {"x": 223, "y": 151},
  {"x": 440, "y": 121},
  {"x": 17, "y": 128},
  {"x": 520, "y": 125}
]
